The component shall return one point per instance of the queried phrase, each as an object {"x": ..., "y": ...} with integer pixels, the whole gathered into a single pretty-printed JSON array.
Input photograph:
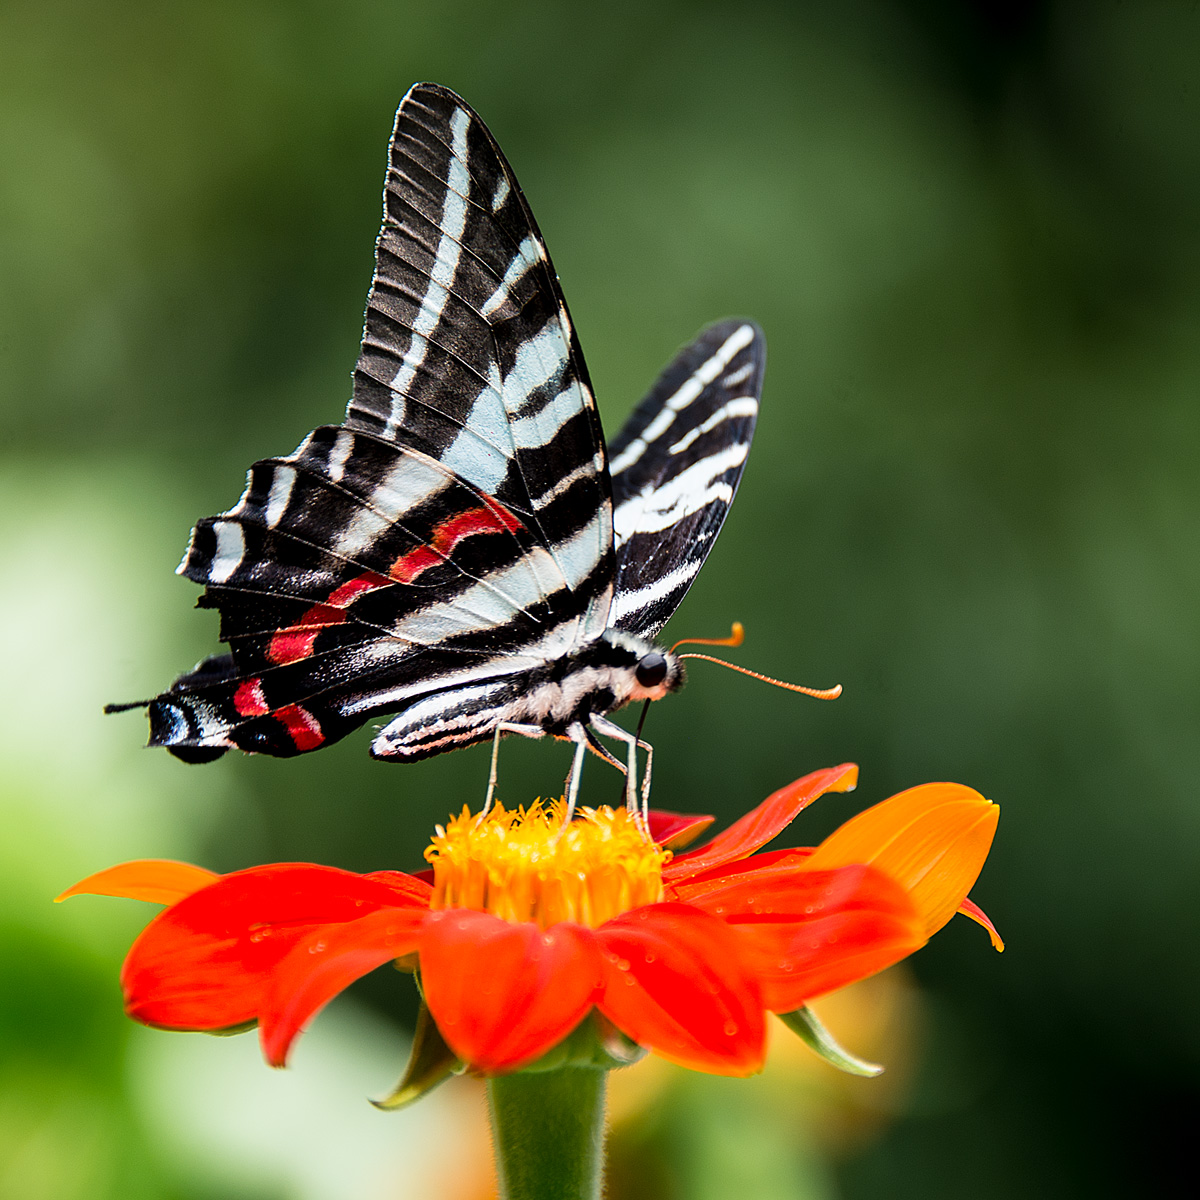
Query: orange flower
[{"x": 523, "y": 926}]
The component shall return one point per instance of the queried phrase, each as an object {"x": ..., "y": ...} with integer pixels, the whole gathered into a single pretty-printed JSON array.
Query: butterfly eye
[{"x": 651, "y": 670}]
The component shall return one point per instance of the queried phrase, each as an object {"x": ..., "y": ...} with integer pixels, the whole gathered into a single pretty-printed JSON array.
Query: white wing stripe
[
  {"x": 409, "y": 483},
  {"x": 231, "y": 548},
  {"x": 483, "y": 606},
  {"x": 655, "y": 509},
  {"x": 625, "y": 603},
  {"x": 339, "y": 455},
  {"x": 579, "y": 555},
  {"x": 584, "y": 471},
  {"x": 481, "y": 452},
  {"x": 538, "y": 360},
  {"x": 499, "y": 666},
  {"x": 454, "y": 219},
  {"x": 690, "y": 389},
  {"x": 743, "y": 406},
  {"x": 542, "y": 427},
  {"x": 525, "y": 260},
  {"x": 282, "y": 483}
]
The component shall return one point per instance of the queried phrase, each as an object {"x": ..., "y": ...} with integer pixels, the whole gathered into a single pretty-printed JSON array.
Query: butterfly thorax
[{"x": 600, "y": 677}]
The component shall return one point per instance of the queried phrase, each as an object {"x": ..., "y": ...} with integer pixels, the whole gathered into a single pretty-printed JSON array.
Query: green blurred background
[{"x": 969, "y": 231}]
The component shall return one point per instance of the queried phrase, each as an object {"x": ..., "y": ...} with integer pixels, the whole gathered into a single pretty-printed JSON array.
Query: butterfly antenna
[
  {"x": 820, "y": 693},
  {"x": 116, "y": 708},
  {"x": 737, "y": 635}
]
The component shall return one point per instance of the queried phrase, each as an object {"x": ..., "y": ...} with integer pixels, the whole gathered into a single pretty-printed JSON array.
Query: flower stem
[{"x": 548, "y": 1133}]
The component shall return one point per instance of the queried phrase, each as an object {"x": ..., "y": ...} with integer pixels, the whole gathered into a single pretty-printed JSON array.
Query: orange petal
[
  {"x": 761, "y": 824},
  {"x": 159, "y": 880},
  {"x": 969, "y": 908},
  {"x": 931, "y": 839},
  {"x": 805, "y": 933}
]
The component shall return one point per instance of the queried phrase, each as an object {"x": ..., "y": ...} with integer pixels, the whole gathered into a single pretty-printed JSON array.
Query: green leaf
[
  {"x": 594, "y": 1042},
  {"x": 805, "y": 1025},
  {"x": 430, "y": 1063}
]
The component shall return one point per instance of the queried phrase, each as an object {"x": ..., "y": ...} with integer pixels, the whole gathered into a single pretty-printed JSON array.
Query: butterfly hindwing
[
  {"x": 676, "y": 465},
  {"x": 345, "y": 596}
]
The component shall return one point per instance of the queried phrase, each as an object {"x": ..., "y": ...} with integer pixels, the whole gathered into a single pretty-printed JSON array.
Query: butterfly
[{"x": 464, "y": 552}]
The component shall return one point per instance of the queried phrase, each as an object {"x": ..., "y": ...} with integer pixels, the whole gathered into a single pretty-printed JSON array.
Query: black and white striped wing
[
  {"x": 676, "y": 465},
  {"x": 458, "y": 526},
  {"x": 468, "y": 351}
]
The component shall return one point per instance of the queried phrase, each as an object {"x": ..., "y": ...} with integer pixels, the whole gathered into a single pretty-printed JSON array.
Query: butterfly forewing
[
  {"x": 468, "y": 349},
  {"x": 676, "y": 465}
]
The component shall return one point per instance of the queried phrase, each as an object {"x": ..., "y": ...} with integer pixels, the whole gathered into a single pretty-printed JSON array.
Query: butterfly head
[{"x": 652, "y": 671}]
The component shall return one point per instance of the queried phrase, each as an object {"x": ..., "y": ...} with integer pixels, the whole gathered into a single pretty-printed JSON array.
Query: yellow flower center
[{"x": 524, "y": 865}]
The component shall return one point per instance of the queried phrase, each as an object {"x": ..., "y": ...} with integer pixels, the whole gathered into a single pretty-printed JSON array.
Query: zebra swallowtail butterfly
[{"x": 463, "y": 551}]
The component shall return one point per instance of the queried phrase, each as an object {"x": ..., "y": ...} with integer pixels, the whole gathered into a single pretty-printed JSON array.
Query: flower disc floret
[{"x": 529, "y": 865}]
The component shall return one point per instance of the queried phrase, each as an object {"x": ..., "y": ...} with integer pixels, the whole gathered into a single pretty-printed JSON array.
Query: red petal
[
  {"x": 327, "y": 962},
  {"x": 675, "y": 981},
  {"x": 969, "y": 908},
  {"x": 503, "y": 993},
  {"x": 159, "y": 880},
  {"x": 809, "y": 932},
  {"x": 416, "y": 885},
  {"x": 774, "y": 863},
  {"x": 674, "y": 830},
  {"x": 761, "y": 824},
  {"x": 204, "y": 963}
]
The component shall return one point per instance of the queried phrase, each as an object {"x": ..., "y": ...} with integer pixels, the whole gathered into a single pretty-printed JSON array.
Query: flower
[{"x": 523, "y": 926}]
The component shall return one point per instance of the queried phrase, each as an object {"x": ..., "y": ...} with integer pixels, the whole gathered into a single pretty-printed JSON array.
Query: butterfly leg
[
  {"x": 611, "y": 729},
  {"x": 503, "y": 727},
  {"x": 601, "y": 751},
  {"x": 579, "y": 735}
]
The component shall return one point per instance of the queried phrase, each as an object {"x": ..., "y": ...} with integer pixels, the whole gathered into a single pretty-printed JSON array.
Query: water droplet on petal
[{"x": 731, "y": 1028}]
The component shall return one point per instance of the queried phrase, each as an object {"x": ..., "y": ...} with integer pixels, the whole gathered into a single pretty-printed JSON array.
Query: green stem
[{"x": 548, "y": 1132}]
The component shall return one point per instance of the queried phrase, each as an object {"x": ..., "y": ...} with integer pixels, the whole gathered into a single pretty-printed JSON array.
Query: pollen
[{"x": 527, "y": 864}]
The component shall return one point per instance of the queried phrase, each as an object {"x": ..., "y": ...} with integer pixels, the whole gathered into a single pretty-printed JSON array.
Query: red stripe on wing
[
  {"x": 301, "y": 725},
  {"x": 491, "y": 518},
  {"x": 296, "y": 641},
  {"x": 249, "y": 699}
]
